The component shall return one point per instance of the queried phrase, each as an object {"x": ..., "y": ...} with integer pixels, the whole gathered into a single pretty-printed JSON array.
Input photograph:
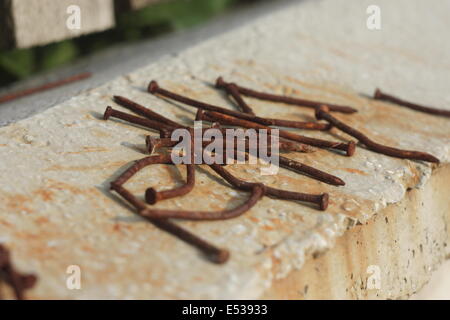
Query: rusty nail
[
  {"x": 257, "y": 192},
  {"x": 321, "y": 200},
  {"x": 323, "y": 113},
  {"x": 284, "y": 145},
  {"x": 110, "y": 112},
  {"x": 379, "y": 95},
  {"x": 349, "y": 147},
  {"x": 17, "y": 281},
  {"x": 217, "y": 255},
  {"x": 47, "y": 86},
  {"x": 232, "y": 89},
  {"x": 143, "y": 111},
  {"x": 292, "y": 101},
  {"x": 310, "y": 171},
  {"x": 154, "y": 88}
]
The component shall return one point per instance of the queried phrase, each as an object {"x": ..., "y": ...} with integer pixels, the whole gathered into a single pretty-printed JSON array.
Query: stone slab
[{"x": 55, "y": 167}]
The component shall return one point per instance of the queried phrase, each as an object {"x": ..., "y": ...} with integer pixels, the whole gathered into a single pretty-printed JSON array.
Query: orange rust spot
[
  {"x": 86, "y": 168},
  {"x": 7, "y": 224},
  {"x": 276, "y": 221},
  {"x": 99, "y": 133},
  {"x": 356, "y": 171},
  {"x": 254, "y": 219},
  {"x": 88, "y": 150},
  {"x": 45, "y": 194},
  {"x": 17, "y": 203},
  {"x": 268, "y": 228},
  {"x": 88, "y": 249},
  {"x": 41, "y": 220}
]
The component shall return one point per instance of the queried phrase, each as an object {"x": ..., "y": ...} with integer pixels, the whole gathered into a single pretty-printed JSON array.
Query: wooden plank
[{"x": 29, "y": 23}]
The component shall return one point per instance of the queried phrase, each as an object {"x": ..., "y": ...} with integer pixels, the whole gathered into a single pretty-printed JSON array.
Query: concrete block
[{"x": 55, "y": 168}]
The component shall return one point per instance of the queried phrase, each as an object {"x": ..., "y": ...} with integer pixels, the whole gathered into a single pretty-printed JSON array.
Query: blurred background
[{"x": 160, "y": 17}]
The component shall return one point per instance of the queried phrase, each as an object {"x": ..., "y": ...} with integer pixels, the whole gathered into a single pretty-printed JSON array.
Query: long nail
[
  {"x": 349, "y": 147},
  {"x": 155, "y": 143},
  {"x": 143, "y": 111},
  {"x": 386, "y": 97},
  {"x": 257, "y": 193},
  {"x": 154, "y": 88},
  {"x": 217, "y": 255},
  {"x": 110, "y": 112},
  {"x": 292, "y": 101},
  {"x": 321, "y": 200},
  {"x": 284, "y": 162},
  {"x": 310, "y": 171},
  {"x": 47, "y": 86},
  {"x": 284, "y": 145},
  {"x": 322, "y": 113},
  {"x": 232, "y": 89}
]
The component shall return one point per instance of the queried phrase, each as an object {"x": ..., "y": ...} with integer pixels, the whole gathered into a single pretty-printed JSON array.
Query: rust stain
[
  {"x": 41, "y": 220},
  {"x": 99, "y": 133},
  {"x": 268, "y": 227},
  {"x": 356, "y": 171},
  {"x": 16, "y": 203},
  {"x": 45, "y": 194},
  {"x": 6, "y": 224},
  {"x": 329, "y": 89},
  {"x": 86, "y": 168},
  {"x": 87, "y": 150}
]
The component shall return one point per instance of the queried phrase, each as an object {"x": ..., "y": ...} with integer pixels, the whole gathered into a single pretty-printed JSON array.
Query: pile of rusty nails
[
  {"x": 247, "y": 118},
  {"x": 18, "y": 282}
]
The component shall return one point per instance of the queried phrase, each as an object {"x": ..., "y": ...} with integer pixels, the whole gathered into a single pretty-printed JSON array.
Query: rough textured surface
[
  {"x": 56, "y": 210},
  {"x": 405, "y": 242},
  {"x": 38, "y": 22},
  {"x": 437, "y": 288}
]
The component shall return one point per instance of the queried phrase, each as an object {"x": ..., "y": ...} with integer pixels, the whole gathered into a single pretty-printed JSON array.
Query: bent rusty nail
[{"x": 322, "y": 113}]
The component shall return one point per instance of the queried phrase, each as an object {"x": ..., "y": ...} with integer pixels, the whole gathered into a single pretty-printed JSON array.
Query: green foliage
[{"x": 131, "y": 26}]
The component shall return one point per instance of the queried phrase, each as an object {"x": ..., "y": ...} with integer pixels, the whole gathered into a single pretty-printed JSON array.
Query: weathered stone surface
[
  {"x": 38, "y": 22},
  {"x": 56, "y": 211}
]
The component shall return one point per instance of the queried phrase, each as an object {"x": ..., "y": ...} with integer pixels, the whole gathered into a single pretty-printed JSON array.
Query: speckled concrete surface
[{"x": 55, "y": 167}]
